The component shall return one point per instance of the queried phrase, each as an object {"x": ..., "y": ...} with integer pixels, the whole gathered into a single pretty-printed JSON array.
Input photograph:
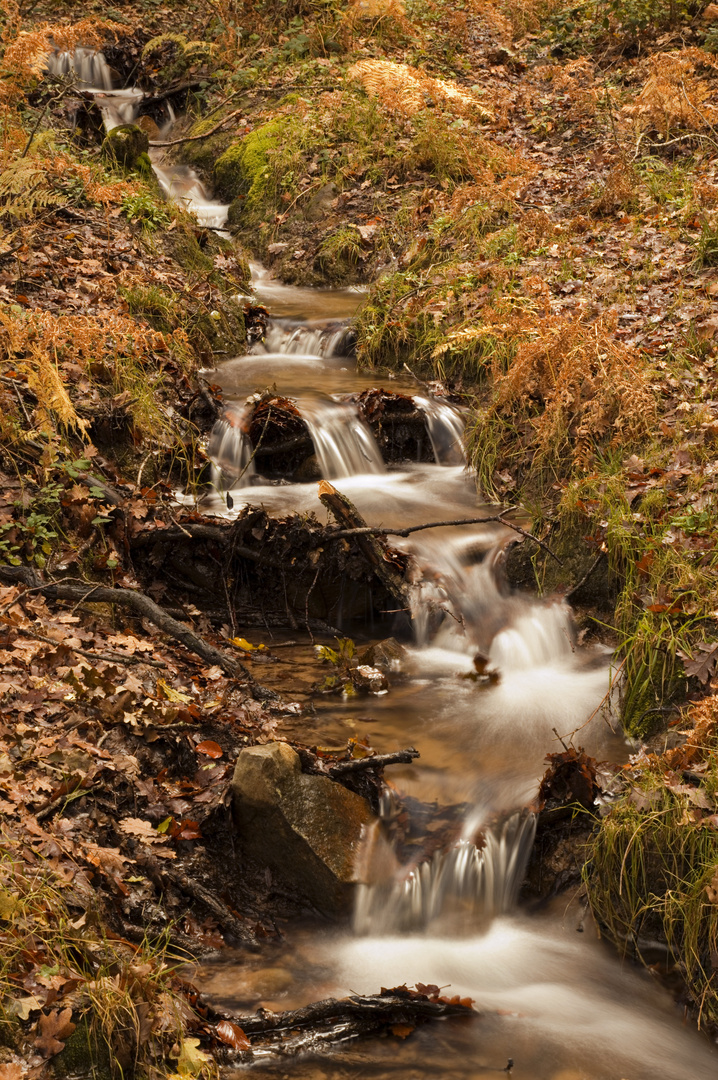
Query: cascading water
[
  {"x": 90, "y": 68},
  {"x": 344, "y": 444},
  {"x": 555, "y": 1003},
  {"x": 231, "y": 452},
  {"x": 461, "y": 888},
  {"x": 291, "y": 339},
  {"x": 446, "y": 430}
]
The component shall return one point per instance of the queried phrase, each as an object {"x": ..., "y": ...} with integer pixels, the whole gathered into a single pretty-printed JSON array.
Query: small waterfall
[
  {"x": 182, "y": 184},
  {"x": 289, "y": 338},
  {"x": 118, "y": 107},
  {"x": 344, "y": 444},
  {"x": 446, "y": 430},
  {"x": 90, "y": 67},
  {"x": 231, "y": 452},
  {"x": 476, "y": 884}
]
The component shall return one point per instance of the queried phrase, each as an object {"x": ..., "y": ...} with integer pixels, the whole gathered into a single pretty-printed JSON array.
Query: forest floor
[{"x": 531, "y": 190}]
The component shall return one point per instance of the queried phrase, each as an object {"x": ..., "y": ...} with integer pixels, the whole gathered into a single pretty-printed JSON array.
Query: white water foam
[{"x": 466, "y": 882}]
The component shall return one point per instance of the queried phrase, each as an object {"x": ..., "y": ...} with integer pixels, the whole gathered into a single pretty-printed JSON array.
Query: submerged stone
[{"x": 306, "y": 828}]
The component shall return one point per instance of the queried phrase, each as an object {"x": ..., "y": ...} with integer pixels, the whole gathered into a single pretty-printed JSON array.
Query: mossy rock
[
  {"x": 242, "y": 168},
  {"x": 127, "y": 146}
]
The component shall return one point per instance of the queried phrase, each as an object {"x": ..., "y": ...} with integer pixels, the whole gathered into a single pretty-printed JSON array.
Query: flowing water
[{"x": 552, "y": 997}]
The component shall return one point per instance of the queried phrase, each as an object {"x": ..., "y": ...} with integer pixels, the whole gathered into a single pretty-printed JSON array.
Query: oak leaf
[{"x": 54, "y": 1028}]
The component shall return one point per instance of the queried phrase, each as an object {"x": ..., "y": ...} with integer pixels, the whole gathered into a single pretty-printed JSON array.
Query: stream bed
[{"x": 552, "y": 998}]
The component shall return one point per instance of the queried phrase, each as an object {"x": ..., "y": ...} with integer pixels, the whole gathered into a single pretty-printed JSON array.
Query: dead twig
[
  {"x": 64, "y": 800},
  {"x": 138, "y": 603},
  {"x": 378, "y": 761},
  {"x": 195, "y": 138}
]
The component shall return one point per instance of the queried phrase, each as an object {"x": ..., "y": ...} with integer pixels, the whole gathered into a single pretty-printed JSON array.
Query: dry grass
[
  {"x": 26, "y": 51},
  {"x": 561, "y": 390},
  {"x": 577, "y": 80},
  {"x": 46, "y": 349}
]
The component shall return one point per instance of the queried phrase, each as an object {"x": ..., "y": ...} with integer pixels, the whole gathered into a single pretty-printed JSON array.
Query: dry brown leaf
[{"x": 54, "y": 1027}]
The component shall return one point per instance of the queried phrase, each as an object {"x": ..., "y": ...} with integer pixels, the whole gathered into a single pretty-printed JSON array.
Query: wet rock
[
  {"x": 387, "y": 655},
  {"x": 125, "y": 145},
  {"x": 306, "y": 828},
  {"x": 399, "y": 427},
  {"x": 148, "y": 125},
  {"x": 369, "y": 680}
]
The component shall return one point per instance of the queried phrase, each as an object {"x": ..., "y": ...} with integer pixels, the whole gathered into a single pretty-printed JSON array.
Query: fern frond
[
  {"x": 408, "y": 89},
  {"x": 27, "y": 54}
]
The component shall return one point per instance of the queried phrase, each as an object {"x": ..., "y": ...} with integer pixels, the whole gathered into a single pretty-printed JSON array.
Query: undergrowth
[
  {"x": 653, "y": 866},
  {"x": 121, "y": 1011}
]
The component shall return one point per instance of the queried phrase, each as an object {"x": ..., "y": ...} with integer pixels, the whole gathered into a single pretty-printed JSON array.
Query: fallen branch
[
  {"x": 369, "y": 530},
  {"x": 137, "y": 602},
  {"x": 580, "y": 584},
  {"x": 347, "y": 514},
  {"x": 378, "y": 761},
  {"x": 195, "y": 138},
  {"x": 64, "y": 801},
  {"x": 351, "y": 1016}
]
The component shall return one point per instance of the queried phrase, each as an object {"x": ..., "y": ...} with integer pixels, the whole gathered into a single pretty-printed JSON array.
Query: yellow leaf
[
  {"x": 244, "y": 645},
  {"x": 191, "y": 1059},
  {"x": 174, "y": 695}
]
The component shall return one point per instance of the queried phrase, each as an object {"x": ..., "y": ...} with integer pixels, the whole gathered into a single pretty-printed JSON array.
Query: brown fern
[{"x": 406, "y": 89}]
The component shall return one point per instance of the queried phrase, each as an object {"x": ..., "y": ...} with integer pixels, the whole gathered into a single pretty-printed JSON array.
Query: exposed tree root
[{"x": 141, "y": 605}]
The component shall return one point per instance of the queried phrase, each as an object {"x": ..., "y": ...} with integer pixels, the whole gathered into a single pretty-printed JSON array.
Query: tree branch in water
[
  {"x": 378, "y": 761},
  {"x": 368, "y": 529}
]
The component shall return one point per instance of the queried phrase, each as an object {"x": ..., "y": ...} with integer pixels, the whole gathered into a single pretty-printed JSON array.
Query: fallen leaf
[
  {"x": 54, "y": 1027},
  {"x": 402, "y": 1031},
  {"x": 143, "y": 830},
  {"x": 209, "y": 749},
  {"x": 232, "y": 1035},
  {"x": 191, "y": 1060},
  {"x": 703, "y": 662}
]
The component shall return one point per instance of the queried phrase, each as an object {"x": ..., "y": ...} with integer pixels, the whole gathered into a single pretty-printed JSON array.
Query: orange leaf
[
  {"x": 402, "y": 1031},
  {"x": 188, "y": 830},
  {"x": 209, "y": 749},
  {"x": 232, "y": 1035}
]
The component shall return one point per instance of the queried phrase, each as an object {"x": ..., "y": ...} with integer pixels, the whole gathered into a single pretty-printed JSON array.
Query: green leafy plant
[{"x": 144, "y": 210}]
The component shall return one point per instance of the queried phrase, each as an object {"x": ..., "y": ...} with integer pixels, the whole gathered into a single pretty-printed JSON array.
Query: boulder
[
  {"x": 125, "y": 145},
  {"x": 306, "y": 828}
]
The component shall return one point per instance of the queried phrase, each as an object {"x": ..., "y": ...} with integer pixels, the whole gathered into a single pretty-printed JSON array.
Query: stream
[{"x": 552, "y": 997}]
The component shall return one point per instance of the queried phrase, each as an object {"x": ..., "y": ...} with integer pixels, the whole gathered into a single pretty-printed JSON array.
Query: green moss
[
  {"x": 250, "y": 168},
  {"x": 84, "y": 1055},
  {"x": 126, "y": 146}
]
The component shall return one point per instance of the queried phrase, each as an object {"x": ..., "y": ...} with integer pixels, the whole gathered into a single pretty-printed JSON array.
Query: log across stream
[{"x": 551, "y": 998}]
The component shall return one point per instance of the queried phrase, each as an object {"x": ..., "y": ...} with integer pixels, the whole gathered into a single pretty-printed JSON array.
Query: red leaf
[
  {"x": 188, "y": 830},
  {"x": 232, "y": 1036},
  {"x": 209, "y": 749}
]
